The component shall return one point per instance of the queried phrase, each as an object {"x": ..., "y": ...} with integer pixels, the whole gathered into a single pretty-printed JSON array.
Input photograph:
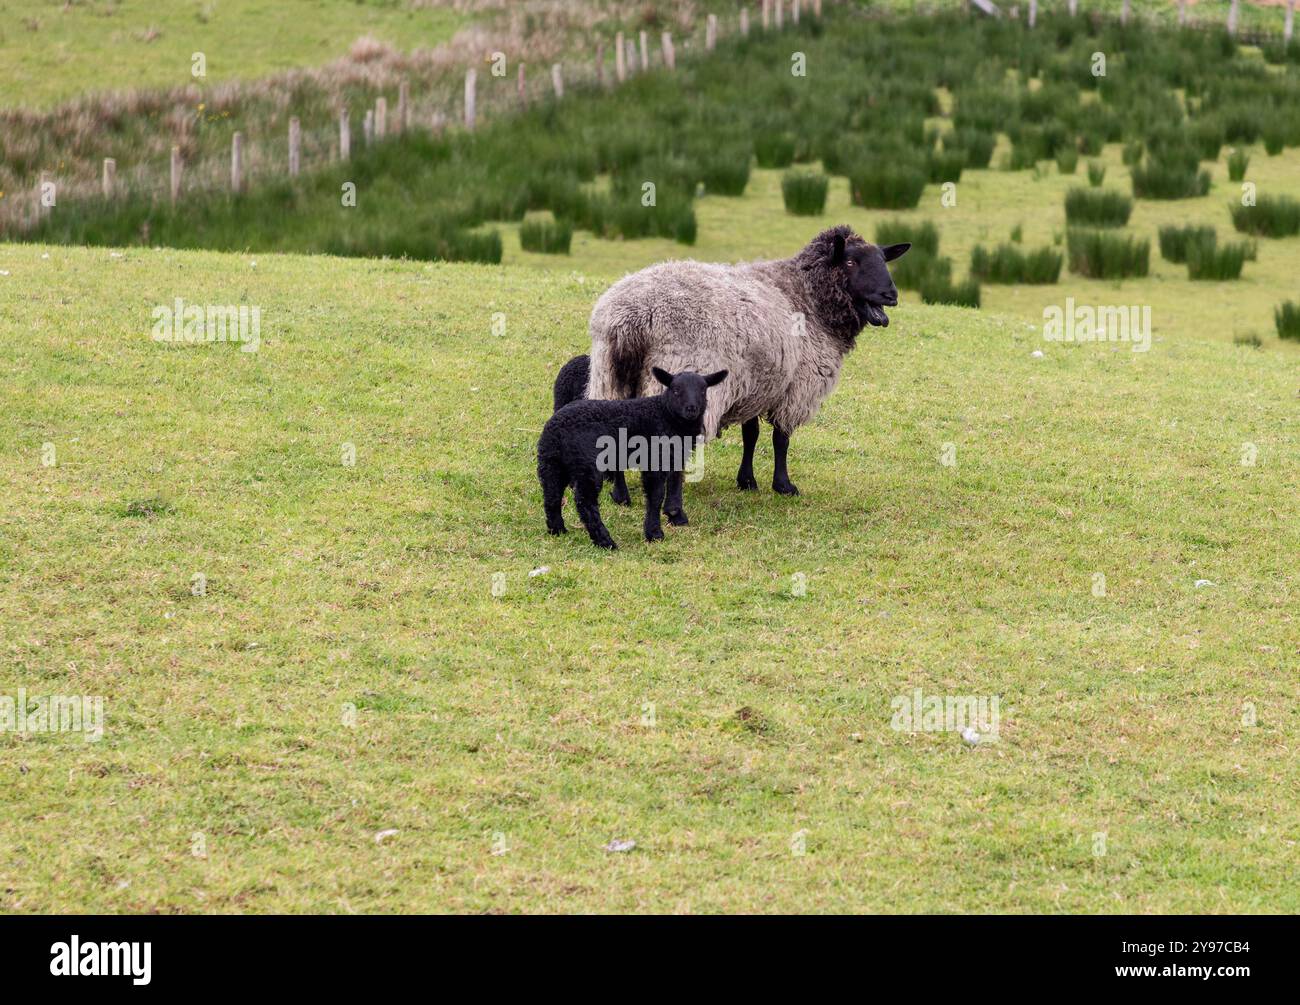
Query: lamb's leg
[
  {"x": 586, "y": 496},
  {"x": 554, "y": 482},
  {"x": 749, "y": 435},
  {"x": 780, "y": 477},
  {"x": 619, "y": 493},
  {"x": 653, "y": 483},
  {"x": 673, "y": 502}
]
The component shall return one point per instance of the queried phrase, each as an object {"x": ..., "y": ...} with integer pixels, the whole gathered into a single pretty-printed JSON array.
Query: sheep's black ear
[
  {"x": 892, "y": 251},
  {"x": 663, "y": 376},
  {"x": 714, "y": 379},
  {"x": 837, "y": 249}
]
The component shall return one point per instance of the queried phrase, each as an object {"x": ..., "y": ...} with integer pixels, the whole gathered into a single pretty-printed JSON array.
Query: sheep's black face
[
  {"x": 687, "y": 392},
  {"x": 867, "y": 276}
]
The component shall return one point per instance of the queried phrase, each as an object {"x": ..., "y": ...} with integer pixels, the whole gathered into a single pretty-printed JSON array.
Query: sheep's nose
[{"x": 889, "y": 298}]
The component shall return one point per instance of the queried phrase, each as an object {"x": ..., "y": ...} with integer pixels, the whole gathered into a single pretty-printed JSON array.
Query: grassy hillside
[
  {"x": 54, "y": 51},
  {"x": 517, "y": 724}
]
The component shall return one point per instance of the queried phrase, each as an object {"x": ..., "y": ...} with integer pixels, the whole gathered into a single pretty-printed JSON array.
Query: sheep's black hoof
[
  {"x": 786, "y": 488},
  {"x": 654, "y": 534},
  {"x": 561, "y": 529},
  {"x": 678, "y": 519},
  {"x": 620, "y": 496},
  {"x": 746, "y": 481},
  {"x": 608, "y": 544}
]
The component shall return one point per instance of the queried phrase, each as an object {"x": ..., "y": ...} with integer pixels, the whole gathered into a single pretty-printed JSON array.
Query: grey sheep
[{"x": 780, "y": 328}]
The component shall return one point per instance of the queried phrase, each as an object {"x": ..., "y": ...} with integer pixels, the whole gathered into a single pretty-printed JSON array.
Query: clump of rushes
[
  {"x": 1100, "y": 254},
  {"x": 1271, "y": 216},
  {"x": 1176, "y": 241},
  {"x": 1097, "y": 208},
  {"x": 1287, "y": 318},
  {"x": 1096, "y": 173},
  {"x": 976, "y": 146},
  {"x": 1132, "y": 153},
  {"x": 774, "y": 149},
  {"x": 915, "y": 269},
  {"x": 888, "y": 186},
  {"x": 1169, "y": 179},
  {"x": 1210, "y": 262},
  {"x": 1008, "y": 264},
  {"x": 726, "y": 171},
  {"x": 548, "y": 237},
  {"x": 945, "y": 165},
  {"x": 1238, "y": 162},
  {"x": 941, "y": 290},
  {"x": 923, "y": 237},
  {"x": 1067, "y": 160},
  {"x": 804, "y": 192},
  {"x": 1274, "y": 140}
]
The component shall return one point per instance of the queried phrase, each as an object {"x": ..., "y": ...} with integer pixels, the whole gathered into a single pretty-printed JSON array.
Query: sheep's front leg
[
  {"x": 780, "y": 477},
  {"x": 586, "y": 496},
  {"x": 749, "y": 436},
  {"x": 654, "y": 485},
  {"x": 619, "y": 494},
  {"x": 673, "y": 503}
]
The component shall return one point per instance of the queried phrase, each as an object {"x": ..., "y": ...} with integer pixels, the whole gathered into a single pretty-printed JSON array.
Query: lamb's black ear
[
  {"x": 837, "y": 249},
  {"x": 892, "y": 251},
  {"x": 714, "y": 379},
  {"x": 663, "y": 376}
]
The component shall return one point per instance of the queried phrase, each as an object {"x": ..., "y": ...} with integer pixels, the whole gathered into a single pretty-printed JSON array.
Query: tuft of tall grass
[
  {"x": 888, "y": 186},
  {"x": 804, "y": 191},
  {"x": 547, "y": 237},
  {"x": 1009, "y": 264},
  {"x": 1067, "y": 160},
  {"x": 1176, "y": 241},
  {"x": 1096, "y": 173},
  {"x": 725, "y": 171},
  {"x": 1238, "y": 162},
  {"x": 945, "y": 165},
  {"x": 1100, "y": 208},
  {"x": 1271, "y": 216},
  {"x": 1100, "y": 254},
  {"x": 1169, "y": 179},
  {"x": 773, "y": 149},
  {"x": 941, "y": 290},
  {"x": 923, "y": 237},
  {"x": 1287, "y": 318},
  {"x": 915, "y": 269},
  {"x": 1210, "y": 262},
  {"x": 976, "y": 144}
]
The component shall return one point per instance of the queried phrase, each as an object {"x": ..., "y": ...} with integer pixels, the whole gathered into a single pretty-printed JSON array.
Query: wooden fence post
[
  {"x": 1124, "y": 11},
  {"x": 620, "y": 59},
  {"x": 1182, "y": 12},
  {"x": 1289, "y": 28},
  {"x": 600, "y": 64},
  {"x": 1074, "y": 8},
  {"x": 817, "y": 9},
  {"x": 471, "y": 85},
  {"x": 237, "y": 162},
  {"x": 1033, "y": 12},
  {"x": 711, "y": 33},
  {"x": 557, "y": 80},
  {"x": 403, "y": 106},
  {"x": 666, "y": 43},
  {"x": 645, "y": 52},
  {"x": 381, "y": 117},
  {"x": 767, "y": 14},
  {"x": 1232, "y": 17},
  {"x": 176, "y": 174},
  {"x": 109, "y": 181},
  {"x": 368, "y": 126},
  {"x": 295, "y": 146},
  {"x": 521, "y": 84},
  {"x": 744, "y": 22},
  {"x": 345, "y": 135}
]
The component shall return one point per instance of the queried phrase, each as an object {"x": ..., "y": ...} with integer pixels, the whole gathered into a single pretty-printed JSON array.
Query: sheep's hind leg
[
  {"x": 749, "y": 436},
  {"x": 673, "y": 500},
  {"x": 654, "y": 485},
  {"x": 586, "y": 496},
  {"x": 619, "y": 494},
  {"x": 780, "y": 477},
  {"x": 553, "y": 486}
]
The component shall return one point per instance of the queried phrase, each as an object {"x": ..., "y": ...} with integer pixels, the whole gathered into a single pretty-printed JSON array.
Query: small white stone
[
  {"x": 1205, "y": 582},
  {"x": 970, "y": 736},
  {"x": 1037, "y": 354},
  {"x": 620, "y": 845},
  {"x": 384, "y": 835},
  {"x": 539, "y": 571}
]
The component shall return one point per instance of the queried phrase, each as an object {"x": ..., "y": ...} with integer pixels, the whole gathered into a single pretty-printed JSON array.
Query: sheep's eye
[{"x": 851, "y": 263}]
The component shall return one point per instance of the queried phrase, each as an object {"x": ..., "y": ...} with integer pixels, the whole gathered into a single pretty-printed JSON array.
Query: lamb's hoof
[
  {"x": 620, "y": 497},
  {"x": 561, "y": 529},
  {"x": 678, "y": 519},
  {"x": 608, "y": 544},
  {"x": 786, "y": 488},
  {"x": 746, "y": 481},
  {"x": 654, "y": 534}
]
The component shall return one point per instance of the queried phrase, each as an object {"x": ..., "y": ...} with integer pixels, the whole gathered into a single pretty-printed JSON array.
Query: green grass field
[
  {"x": 505, "y": 738},
  {"x": 54, "y": 51}
]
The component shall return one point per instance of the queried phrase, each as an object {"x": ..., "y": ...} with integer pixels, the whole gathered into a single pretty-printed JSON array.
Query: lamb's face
[
  {"x": 869, "y": 283},
  {"x": 687, "y": 393}
]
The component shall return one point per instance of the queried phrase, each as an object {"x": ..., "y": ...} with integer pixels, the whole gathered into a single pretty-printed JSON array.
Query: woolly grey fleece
[{"x": 781, "y": 328}]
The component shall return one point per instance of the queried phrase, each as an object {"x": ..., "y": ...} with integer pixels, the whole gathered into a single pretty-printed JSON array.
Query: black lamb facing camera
[{"x": 586, "y": 442}]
